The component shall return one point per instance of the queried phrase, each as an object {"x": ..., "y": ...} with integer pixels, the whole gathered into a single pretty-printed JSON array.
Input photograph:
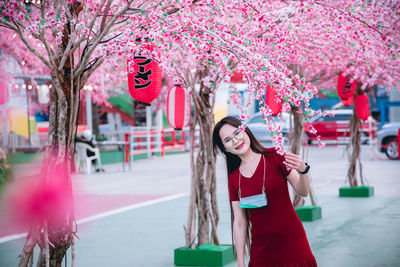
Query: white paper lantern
[{"x": 44, "y": 94}]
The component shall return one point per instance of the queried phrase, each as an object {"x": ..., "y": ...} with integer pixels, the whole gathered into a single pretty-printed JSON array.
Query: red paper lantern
[
  {"x": 344, "y": 88},
  {"x": 272, "y": 101},
  {"x": 398, "y": 142},
  {"x": 3, "y": 93},
  {"x": 144, "y": 82},
  {"x": 237, "y": 77},
  {"x": 347, "y": 101},
  {"x": 178, "y": 107},
  {"x": 362, "y": 106}
]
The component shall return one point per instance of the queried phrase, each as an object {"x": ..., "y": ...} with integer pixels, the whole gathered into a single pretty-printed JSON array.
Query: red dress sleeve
[
  {"x": 279, "y": 159},
  {"x": 233, "y": 190},
  {"x": 284, "y": 169}
]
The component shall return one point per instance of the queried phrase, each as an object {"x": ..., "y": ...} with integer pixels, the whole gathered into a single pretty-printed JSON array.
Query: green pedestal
[
  {"x": 205, "y": 255},
  {"x": 358, "y": 191},
  {"x": 309, "y": 213}
]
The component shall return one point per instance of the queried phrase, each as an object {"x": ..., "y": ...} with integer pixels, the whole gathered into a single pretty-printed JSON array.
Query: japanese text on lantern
[
  {"x": 347, "y": 88},
  {"x": 142, "y": 74}
]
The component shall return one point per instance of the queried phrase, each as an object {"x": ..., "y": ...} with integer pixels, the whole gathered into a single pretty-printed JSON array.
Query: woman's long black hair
[{"x": 233, "y": 161}]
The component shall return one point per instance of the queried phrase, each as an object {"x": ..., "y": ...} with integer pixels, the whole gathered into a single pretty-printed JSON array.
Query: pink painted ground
[{"x": 89, "y": 205}]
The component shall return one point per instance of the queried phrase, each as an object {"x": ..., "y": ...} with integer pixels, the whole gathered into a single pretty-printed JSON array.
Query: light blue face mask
[{"x": 256, "y": 201}]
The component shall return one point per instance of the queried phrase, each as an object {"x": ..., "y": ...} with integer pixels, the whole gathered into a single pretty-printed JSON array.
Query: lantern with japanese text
[
  {"x": 347, "y": 101},
  {"x": 178, "y": 107},
  {"x": 345, "y": 89},
  {"x": 3, "y": 93},
  {"x": 273, "y": 101},
  {"x": 144, "y": 82},
  {"x": 361, "y": 104}
]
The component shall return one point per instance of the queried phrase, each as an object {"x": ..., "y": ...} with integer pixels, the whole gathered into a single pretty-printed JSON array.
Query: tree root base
[
  {"x": 358, "y": 191},
  {"x": 205, "y": 255}
]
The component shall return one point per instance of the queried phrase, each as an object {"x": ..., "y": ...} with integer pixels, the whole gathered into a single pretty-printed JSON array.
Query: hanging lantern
[
  {"x": 347, "y": 101},
  {"x": 361, "y": 104},
  {"x": 178, "y": 107},
  {"x": 44, "y": 94},
  {"x": 345, "y": 89},
  {"x": 144, "y": 82},
  {"x": 237, "y": 77},
  {"x": 3, "y": 93},
  {"x": 272, "y": 101}
]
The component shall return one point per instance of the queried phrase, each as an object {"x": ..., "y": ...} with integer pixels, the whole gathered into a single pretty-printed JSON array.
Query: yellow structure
[{"x": 17, "y": 120}]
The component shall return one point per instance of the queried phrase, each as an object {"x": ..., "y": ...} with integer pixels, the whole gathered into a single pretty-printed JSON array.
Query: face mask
[{"x": 256, "y": 201}]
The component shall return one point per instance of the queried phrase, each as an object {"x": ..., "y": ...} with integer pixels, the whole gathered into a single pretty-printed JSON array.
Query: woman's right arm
[{"x": 239, "y": 232}]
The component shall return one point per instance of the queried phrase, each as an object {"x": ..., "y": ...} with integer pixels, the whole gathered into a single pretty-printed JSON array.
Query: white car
[
  {"x": 388, "y": 135},
  {"x": 260, "y": 130}
]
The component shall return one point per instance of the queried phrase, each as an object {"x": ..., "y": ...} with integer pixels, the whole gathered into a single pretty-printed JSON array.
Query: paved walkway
[{"x": 136, "y": 218}]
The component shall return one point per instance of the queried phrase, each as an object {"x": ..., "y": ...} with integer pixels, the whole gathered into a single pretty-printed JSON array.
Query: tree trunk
[
  {"x": 95, "y": 120},
  {"x": 203, "y": 202},
  {"x": 55, "y": 235},
  {"x": 296, "y": 139},
  {"x": 355, "y": 147},
  {"x": 54, "y": 238}
]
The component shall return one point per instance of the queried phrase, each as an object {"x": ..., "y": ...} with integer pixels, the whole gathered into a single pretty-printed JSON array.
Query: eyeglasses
[{"x": 228, "y": 141}]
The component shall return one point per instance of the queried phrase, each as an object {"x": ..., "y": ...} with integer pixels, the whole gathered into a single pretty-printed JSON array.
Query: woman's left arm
[{"x": 299, "y": 182}]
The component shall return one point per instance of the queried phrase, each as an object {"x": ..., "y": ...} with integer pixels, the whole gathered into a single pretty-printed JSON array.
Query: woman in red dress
[{"x": 262, "y": 213}]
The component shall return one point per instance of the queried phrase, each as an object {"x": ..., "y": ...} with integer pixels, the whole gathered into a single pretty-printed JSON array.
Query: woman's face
[{"x": 234, "y": 140}]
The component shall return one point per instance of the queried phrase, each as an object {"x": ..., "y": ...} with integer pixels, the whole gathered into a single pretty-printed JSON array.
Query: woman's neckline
[{"x": 258, "y": 163}]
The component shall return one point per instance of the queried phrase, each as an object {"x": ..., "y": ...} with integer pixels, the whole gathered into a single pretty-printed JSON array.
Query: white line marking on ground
[
  {"x": 104, "y": 214},
  {"x": 12, "y": 237}
]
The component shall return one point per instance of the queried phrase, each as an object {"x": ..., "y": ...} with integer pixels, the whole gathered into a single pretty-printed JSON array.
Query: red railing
[{"x": 153, "y": 141}]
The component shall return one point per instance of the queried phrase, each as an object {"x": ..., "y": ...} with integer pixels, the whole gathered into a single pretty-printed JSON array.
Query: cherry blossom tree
[
  {"x": 70, "y": 38},
  {"x": 315, "y": 40}
]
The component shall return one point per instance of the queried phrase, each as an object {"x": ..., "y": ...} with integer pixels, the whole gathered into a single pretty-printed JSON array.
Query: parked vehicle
[
  {"x": 388, "y": 135},
  {"x": 337, "y": 127},
  {"x": 260, "y": 130}
]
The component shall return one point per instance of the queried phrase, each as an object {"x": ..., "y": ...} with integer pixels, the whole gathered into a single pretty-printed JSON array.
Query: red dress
[{"x": 277, "y": 234}]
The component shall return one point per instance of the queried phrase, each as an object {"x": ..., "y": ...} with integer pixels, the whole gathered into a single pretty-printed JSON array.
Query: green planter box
[
  {"x": 309, "y": 213},
  {"x": 358, "y": 191},
  {"x": 205, "y": 255}
]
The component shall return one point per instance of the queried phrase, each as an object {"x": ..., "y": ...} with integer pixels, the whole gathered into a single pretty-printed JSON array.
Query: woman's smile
[{"x": 239, "y": 146}]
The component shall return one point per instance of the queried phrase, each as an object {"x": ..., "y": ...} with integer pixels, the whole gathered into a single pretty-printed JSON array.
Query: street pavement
[{"x": 136, "y": 217}]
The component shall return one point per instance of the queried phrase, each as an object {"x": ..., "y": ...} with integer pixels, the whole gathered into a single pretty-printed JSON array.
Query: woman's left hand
[{"x": 295, "y": 162}]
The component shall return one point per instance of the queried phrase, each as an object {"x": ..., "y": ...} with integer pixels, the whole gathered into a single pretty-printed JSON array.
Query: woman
[{"x": 256, "y": 173}]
